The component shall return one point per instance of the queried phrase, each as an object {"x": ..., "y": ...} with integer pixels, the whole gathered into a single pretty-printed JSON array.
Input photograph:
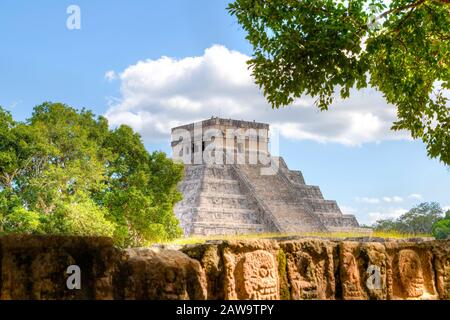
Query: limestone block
[
  {"x": 311, "y": 268},
  {"x": 161, "y": 275},
  {"x": 251, "y": 270},
  {"x": 441, "y": 251},
  {"x": 210, "y": 258},
  {"x": 363, "y": 271},
  {"x": 411, "y": 271},
  {"x": 35, "y": 267}
]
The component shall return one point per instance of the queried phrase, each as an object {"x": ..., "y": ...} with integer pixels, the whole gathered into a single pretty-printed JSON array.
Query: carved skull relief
[
  {"x": 410, "y": 271},
  {"x": 257, "y": 277}
]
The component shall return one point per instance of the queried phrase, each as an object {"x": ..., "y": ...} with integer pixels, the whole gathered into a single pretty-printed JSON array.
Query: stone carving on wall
[
  {"x": 446, "y": 287},
  {"x": 412, "y": 274},
  {"x": 442, "y": 266},
  {"x": 310, "y": 269},
  {"x": 34, "y": 267},
  {"x": 303, "y": 277},
  {"x": 256, "y": 276},
  {"x": 350, "y": 277},
  {"x": 165, "y": 275},
  {"x": 410, "y": 271},
  {"x": 251, "y": 273},
  {"x": 363, "y": 271},
  {"x": 374, "y": 261}
]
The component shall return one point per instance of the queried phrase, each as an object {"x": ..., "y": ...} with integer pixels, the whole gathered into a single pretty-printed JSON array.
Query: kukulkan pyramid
[{"x": 232, "y": 184}]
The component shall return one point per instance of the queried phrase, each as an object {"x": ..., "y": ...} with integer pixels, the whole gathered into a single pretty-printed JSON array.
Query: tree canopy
[
  {"x": 419, "y": 220},
  {"x": 63, "y": 171},
  {"x": 324, "y": 47}
]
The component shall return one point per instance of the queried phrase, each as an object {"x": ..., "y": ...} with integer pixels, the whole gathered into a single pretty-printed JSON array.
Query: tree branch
[
  {"x": 409, "y": 6},
  {"x": 397, "y": 29}
]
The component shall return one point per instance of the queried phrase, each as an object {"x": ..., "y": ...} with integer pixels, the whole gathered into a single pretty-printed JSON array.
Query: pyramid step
[
  {"x": 222, "y": 188},
  {"x": 324, "y": 206},
  {"x": 230, "y": 202},
  {"x": 229, "y": 225},
  {"x": 193, "y": 172},
  {"x": 191, "y": 181},
  {"x": 242, "y": 217},
  {"x": 222, "y": 195},
  {"x": 221, "y": 181},
  {"x": 226, "y": 210},
  {"x": 218, "y": 172},
  {"x": 208, "y": 229},
  {"x": 284, "y": 201},
  {"x": 194, "y": 181}
]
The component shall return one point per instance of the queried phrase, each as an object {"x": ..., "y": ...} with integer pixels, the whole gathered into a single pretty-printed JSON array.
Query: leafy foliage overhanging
[{"x": 321, "y": 47}]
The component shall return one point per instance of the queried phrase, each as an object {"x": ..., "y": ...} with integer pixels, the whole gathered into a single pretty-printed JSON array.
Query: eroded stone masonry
[
  {"x": 226, "y": 190},
  {"x": 297, "y": 269}
]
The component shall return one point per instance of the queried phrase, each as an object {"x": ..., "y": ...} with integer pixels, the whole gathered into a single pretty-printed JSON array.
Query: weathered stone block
[
  {"x": 411, "y": 273},
  {"x": 311, "y": 268},
  {"x": 150, "y": 274},
  {"x": 251, "y": 270},
  {"x": 35, "y": 267},
  {"x": 358, "y": 263}
]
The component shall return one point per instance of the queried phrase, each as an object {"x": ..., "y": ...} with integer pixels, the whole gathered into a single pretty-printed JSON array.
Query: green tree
[
  {"x": 63, "y": 171},
  {"x": 388, "y": 225},
  {"x": 421, "y": 218},
  {"x": 20, "y": 220},
  {"x": 441, "y": 229},
  {"x": 418, "y": 220},
  {"x": 321, "y": 47},
  {"x": 142, "y": 189}
]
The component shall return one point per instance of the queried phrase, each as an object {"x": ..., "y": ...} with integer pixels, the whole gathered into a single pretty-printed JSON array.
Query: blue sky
[{"x": 349, "y": 151}]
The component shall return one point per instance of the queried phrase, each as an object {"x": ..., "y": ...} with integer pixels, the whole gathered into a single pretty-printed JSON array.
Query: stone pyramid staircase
[
  {"x": 278, "y": 194},
  {"x": 296, "y": 206},
  {"x": 214, "y": 203},
  {"x": 239, "y": 199}
]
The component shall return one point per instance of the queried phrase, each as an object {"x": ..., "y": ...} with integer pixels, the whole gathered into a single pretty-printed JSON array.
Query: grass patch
[{"x": 326, "y": 235}]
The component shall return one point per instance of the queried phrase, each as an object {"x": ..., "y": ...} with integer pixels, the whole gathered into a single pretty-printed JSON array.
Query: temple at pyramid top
[
  {"x": 225, "y": 141},
  {"x": 233, "y": 185}
]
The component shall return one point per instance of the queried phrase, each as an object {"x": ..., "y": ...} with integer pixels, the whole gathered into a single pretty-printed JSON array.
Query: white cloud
[
  {"x": 110, "y": 75},
  {"x": 416, "y": 196},
  {"x": 348, "y": 210},
  {"x": 370, "y": 200},
  {"x": 367, "y": 200},
  {"x": 393, "y": 199},
  {"x": 446, "y": 208},
  {"x": 159, "y": 94},
  {"x": 387, "y": 214}
]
